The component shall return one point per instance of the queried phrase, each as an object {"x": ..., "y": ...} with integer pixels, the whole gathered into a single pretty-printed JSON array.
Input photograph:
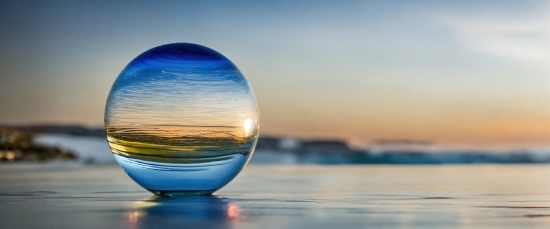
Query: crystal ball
[{"x": 181, "y": 119}]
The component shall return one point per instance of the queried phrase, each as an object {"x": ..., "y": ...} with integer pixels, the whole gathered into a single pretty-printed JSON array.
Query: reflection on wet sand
[{"x": 193, "y": 212}]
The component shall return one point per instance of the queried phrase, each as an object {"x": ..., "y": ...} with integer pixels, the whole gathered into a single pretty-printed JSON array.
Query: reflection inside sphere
[{"x": 181, "y": 119}]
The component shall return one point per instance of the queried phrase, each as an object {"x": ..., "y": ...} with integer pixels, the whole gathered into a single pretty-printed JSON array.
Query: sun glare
[{"x": 247, "y": 126}]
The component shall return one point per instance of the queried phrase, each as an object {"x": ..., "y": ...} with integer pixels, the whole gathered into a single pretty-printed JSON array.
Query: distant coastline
[
  {"x": 18, "y": 145},
  {"x": 286, "y": 150}
]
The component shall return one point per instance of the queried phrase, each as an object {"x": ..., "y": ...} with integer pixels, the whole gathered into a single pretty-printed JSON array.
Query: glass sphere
[{"x": 181, "y": 119}]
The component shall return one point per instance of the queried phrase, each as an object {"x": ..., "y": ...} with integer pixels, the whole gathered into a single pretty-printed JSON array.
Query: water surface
[{"x": 477, "y": 196}]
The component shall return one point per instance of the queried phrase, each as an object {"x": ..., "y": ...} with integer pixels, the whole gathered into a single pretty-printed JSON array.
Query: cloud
[{"x": 520, "y": 38}]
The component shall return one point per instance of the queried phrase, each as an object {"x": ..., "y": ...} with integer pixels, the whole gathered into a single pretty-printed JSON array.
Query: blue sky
[{"x": 453, "y": 72}]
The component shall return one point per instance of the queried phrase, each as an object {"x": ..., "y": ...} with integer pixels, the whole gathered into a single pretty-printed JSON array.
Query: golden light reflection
[
  {"x": 143, "y": 204},
  {"x": 233, "y": 212},
  {"x": 134, "y": 216}
]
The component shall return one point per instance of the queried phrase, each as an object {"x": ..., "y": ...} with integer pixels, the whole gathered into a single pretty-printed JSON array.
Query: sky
[{"x": 473, "y": 73}]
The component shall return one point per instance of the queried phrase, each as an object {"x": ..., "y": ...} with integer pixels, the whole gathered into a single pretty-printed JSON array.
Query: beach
[{"x": 71, "y": 195}]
